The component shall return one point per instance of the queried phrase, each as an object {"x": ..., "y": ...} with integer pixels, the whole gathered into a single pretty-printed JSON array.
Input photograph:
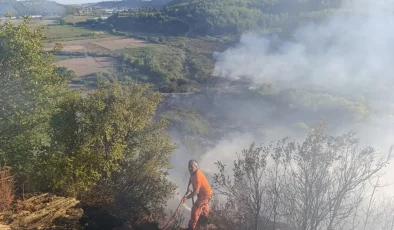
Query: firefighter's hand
[{"x": 184, "y": 199}]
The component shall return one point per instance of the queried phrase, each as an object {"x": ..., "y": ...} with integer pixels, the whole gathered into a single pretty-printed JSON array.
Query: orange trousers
[{"x": 200, "y": 207}]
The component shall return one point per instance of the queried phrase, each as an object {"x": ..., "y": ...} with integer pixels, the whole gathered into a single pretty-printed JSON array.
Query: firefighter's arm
[
  {"x": 188, "y": 186},
  {"x": 196, "y": 188}
]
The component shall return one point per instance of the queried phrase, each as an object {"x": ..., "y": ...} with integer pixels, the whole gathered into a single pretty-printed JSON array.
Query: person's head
[{"x": 192, "y": 166}]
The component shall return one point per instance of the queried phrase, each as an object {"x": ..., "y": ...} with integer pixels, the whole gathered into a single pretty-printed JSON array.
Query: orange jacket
[{"x": 200, "y": 184}]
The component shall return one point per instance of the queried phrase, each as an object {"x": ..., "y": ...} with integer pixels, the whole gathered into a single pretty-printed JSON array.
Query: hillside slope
[
  {"x": 217, "y": 17},
  {"x": 33, "y": 7},
  {"x": 131, "y": 3}
]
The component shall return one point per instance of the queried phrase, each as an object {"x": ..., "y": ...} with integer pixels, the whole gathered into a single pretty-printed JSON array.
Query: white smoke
[
  {"x": 339, "y": 52},
  {"x": 349, "y": 55}
]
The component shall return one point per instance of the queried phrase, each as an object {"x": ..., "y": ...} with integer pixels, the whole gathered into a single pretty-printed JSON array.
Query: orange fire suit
[{"x": 201, "y": 206}]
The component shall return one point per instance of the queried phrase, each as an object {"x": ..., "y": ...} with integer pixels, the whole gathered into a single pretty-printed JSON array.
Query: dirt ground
[
  {"x": 85, "y": 66},
  {"x": 97, "y": 45},
  {"x": 89, "y": 65}
]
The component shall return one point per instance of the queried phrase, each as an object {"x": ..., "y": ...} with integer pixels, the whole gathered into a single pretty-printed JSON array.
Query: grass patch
[
  {"x": 35, "y": 23},
  {"x": 179, "y": 65},
  {"x": 65, "y": 57},
  {"x": 190, "y": 121},
  {"x": 201, "y": 65},
  {"x": 69, "y": 33},
  {"x": 161, "y": 65},
  {"x": 76, "y": 19}
]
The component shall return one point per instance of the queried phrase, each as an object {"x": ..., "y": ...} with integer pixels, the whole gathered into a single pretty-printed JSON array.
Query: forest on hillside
[
  {"x": 219, "y": 17},
  {"x": 131, "y": 3},
  {"x": 34, "y": 7}
]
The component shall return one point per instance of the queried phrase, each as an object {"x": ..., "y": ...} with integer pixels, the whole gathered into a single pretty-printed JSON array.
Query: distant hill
[
  {"x": 33, "y": 7},
  {"x": 132, "y": 3}
]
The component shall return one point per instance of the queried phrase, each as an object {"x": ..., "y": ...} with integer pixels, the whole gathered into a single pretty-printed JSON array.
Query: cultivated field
[
  {"x": 89, "y": 65},
  {"x": 69, "y": 33},
  {"x": 86, "y": 65},
  {"x": 123, "y": 43},
  {"x": 34, "y": 23},
  {"x": 98, "y": 45}
]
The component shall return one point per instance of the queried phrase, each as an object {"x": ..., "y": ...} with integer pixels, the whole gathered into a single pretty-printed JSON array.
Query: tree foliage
[
  {"x": 161, "y": 65},
  {"x": 30, "y": 90},
  {"x": 141, "y": 184},
  {"x": 91, "y": 135},
  {"x": 65, "y": 73},
  {"x": 217, "y": 17},
  {"x": 77, "y": 142}
]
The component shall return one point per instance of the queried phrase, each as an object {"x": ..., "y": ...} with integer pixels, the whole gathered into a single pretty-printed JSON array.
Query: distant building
[{"x": 102, "y": 18}]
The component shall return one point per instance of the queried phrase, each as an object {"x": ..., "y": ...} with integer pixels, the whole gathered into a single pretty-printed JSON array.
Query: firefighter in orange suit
[{"x": 202, "y": 190}]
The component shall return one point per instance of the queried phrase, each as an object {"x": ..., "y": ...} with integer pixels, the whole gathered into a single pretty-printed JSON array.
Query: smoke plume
[
  {"x": 345, "y": 60},
  {"x": 348, "y": 56}
]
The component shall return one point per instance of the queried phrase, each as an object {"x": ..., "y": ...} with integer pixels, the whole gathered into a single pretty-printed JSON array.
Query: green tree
[
  {"x": 65, "y": 73},
  {"x": 30, "y": 90},
  {"x": 62, "y": 21},
  {"x": 92, "y": 135},
  {"x": 69, "y": 142},
  {"x": 141, "y": 185}
]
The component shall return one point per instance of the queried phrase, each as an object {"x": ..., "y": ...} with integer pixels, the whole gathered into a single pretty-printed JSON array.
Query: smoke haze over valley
[
  {"x": 339, "y": 70},
  {"x": 224, "y": 74}
]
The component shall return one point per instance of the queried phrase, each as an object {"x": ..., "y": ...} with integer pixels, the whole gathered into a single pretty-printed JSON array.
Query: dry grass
[
  {"x": 6, "y": 189},
  {"x": 91, "y": 65},
  {"x": 76, "y": 19},
  {"x": 123, "y": 43},
  {"x": 98, "y": 45},
  {"x": 61, "y": 33},
  {"x": 88, "y": 66}
]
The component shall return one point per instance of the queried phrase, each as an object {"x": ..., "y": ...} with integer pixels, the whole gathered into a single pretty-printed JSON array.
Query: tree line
[{"x": 218, "y": 17}]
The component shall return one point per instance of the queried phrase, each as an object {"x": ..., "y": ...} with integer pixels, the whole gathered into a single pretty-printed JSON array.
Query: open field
[
  {"x": 37, "y": 23},
  {"x": 89, "y": 65},
  {"x": 69, "y": 33},
  {"x": 98, "y": 45},
  {"x": 55, "y": 32},
  {"x": 77, "y": 55},
  {"x": 76, "y": 19},
  {"x": 123, "y": 43},
  {"x": 34, "y": 23}
]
